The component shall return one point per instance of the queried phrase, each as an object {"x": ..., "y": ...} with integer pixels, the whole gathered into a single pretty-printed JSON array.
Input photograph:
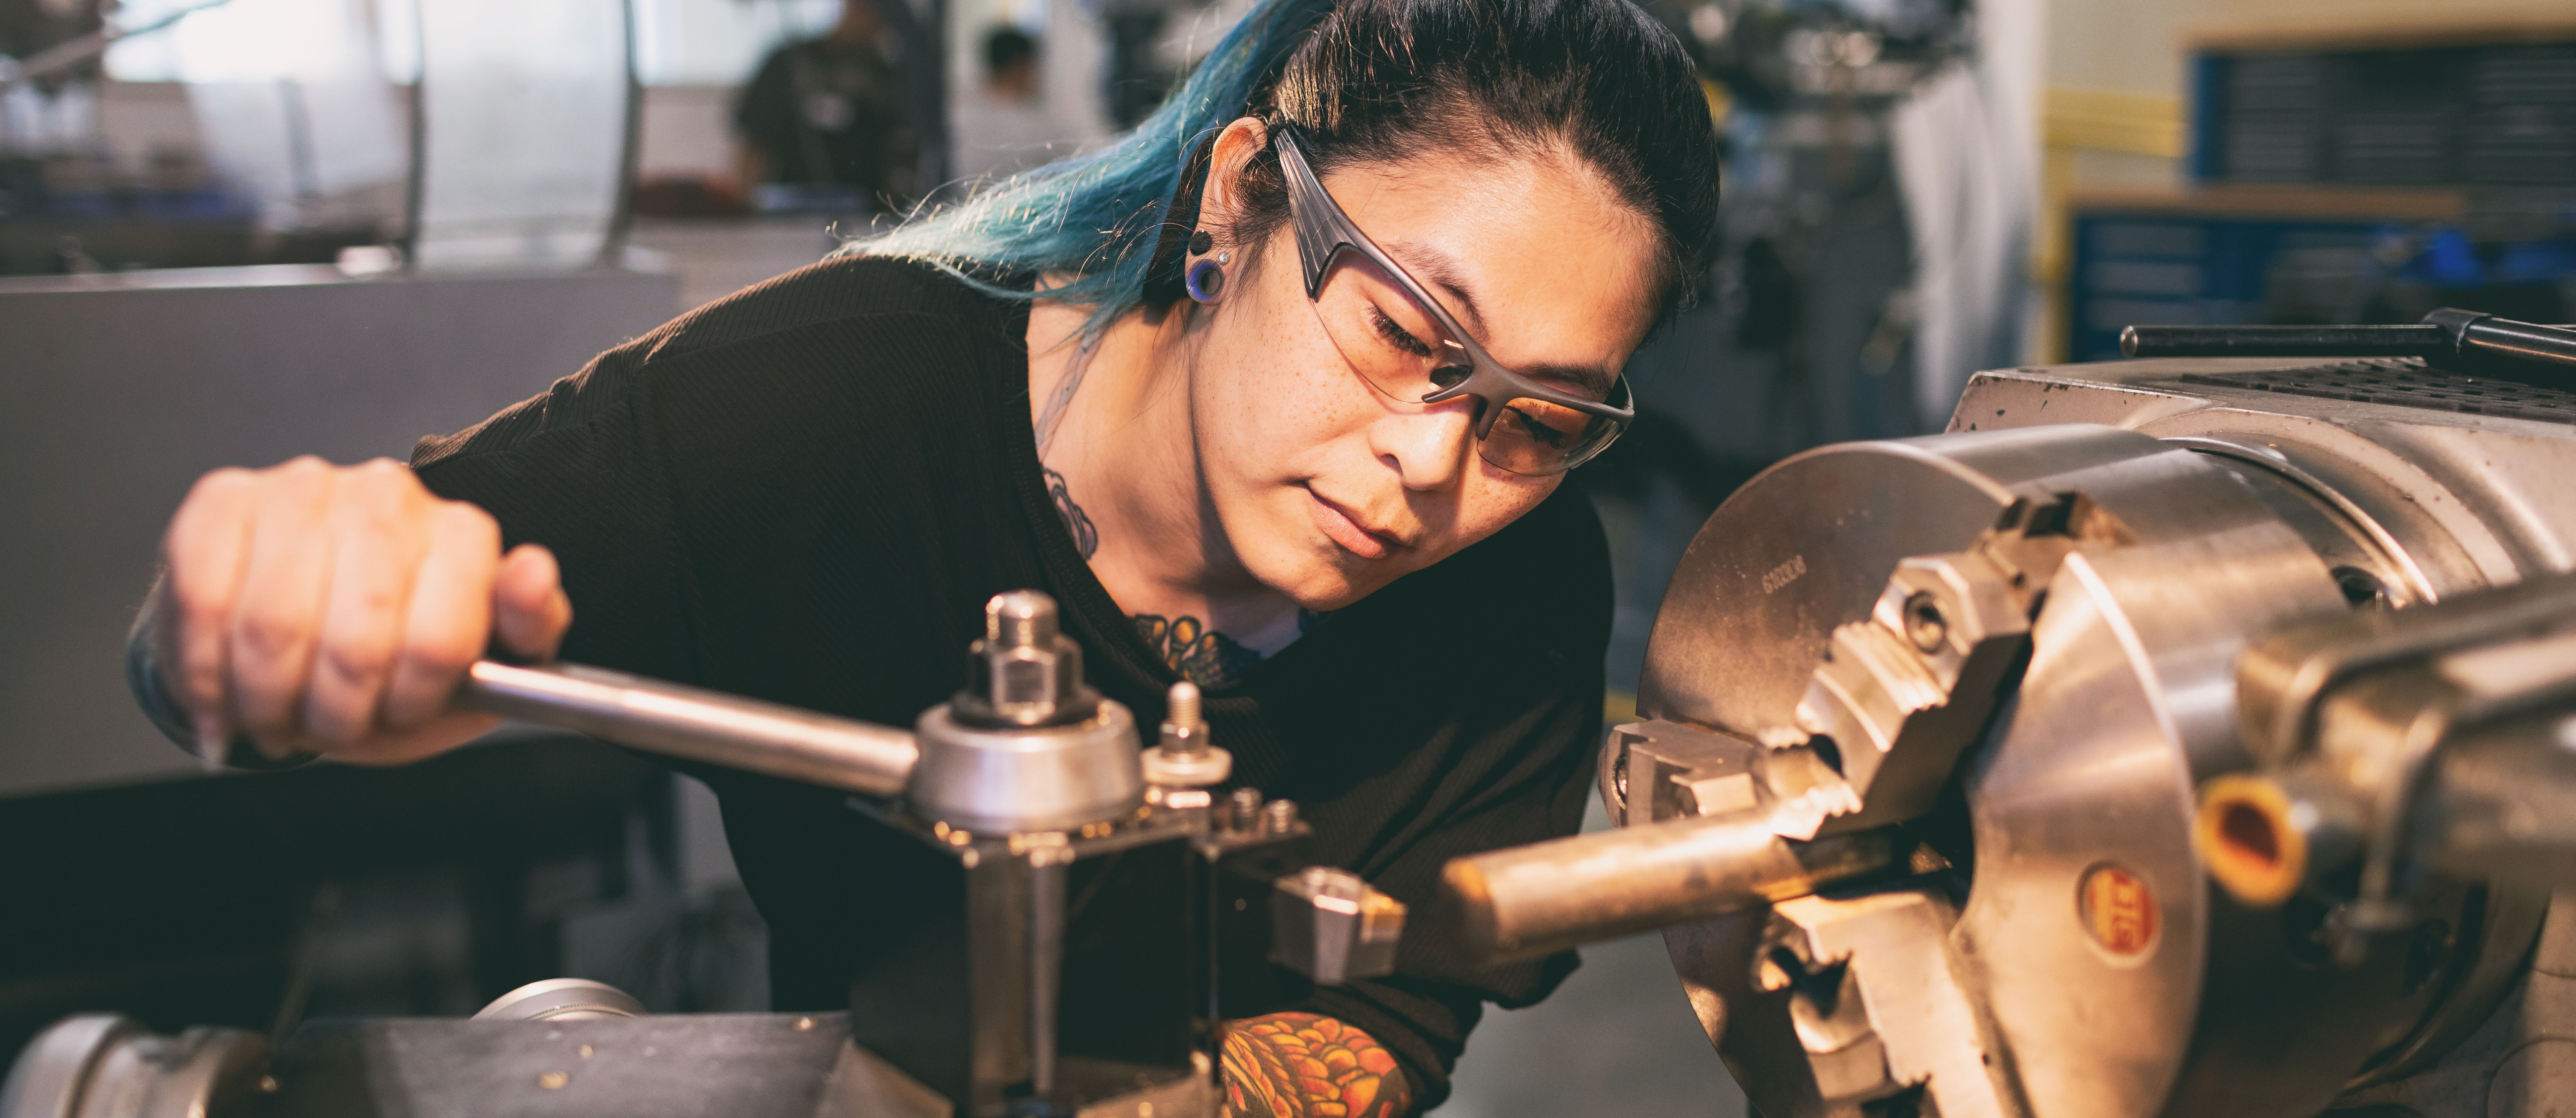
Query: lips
[{"x": 1354, "y": 534}]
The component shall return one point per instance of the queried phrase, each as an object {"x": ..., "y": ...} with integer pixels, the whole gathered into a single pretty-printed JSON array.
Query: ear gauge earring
[{"x": 1203, "y": 279}]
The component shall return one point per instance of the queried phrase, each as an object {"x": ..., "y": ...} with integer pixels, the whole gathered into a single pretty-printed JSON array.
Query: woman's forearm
[{"x": 1304, "y": 1065}]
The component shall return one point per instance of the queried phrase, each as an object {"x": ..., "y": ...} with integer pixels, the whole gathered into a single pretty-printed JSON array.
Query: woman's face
[{"x": 1327, "y": 488}]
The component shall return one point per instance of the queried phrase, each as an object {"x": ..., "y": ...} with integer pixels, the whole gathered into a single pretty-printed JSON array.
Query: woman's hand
[
  {"x": 1304, "y": 1065},
  {"x": 333, "y": 609}
]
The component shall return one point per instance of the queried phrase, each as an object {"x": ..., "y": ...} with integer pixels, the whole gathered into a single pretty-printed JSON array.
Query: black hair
[
  {"x": 1005, "y": 46},
  {"x": 1361, "y": 81},
  {"x": 1597, "y": 80}
]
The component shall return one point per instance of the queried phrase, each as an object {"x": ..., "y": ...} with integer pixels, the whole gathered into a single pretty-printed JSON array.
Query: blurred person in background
[
  {"x": 828, "y": 112},
  {"x": 1001, "y": 126},
  {"x": 57, "y": 111}
]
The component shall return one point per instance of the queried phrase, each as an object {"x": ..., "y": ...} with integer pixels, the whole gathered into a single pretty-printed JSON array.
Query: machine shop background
[{"x": 224, "y": 239}]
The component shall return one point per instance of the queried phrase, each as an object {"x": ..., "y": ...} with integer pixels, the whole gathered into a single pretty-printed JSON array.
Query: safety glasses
[{"x": 1400, "y": 340}]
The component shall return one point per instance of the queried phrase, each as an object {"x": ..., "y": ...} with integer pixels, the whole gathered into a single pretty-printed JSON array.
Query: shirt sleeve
[
  {"x": 572, "y": 469},
  {"x": 577, "y": 470}
]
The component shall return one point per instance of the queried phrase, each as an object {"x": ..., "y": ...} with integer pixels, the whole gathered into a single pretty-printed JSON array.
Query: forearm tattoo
[
  {"x": 1086, "y": 539},
  {"x": 1304, "y": 1065},
  {"x": 1200, "y": 654}
]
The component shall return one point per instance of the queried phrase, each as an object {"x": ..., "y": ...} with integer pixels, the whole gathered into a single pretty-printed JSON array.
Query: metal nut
[
  {"x": 1024, "y": 672},
  {"x": 1018, "y": 676},
  {"x": 1245, "y": 805}
]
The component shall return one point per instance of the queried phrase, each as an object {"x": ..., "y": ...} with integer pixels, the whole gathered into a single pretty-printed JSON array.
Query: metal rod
[
  {"x": 1534, "y": 900},
  {"x": 1048, "y": 868},
  {"x": 2487, "y": 344},
  {"x": 2502, "y": 805},
  {"x": 2285, "y": 341},
  {"x": 697, "y": 724},
  {"x": 2499, "y": 804},
  {"x": 2530, "y": 344}
]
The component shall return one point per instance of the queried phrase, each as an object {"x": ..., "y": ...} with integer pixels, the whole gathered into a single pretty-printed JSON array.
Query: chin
[
  {"x": 1312, "y": 578},
  {"x": 1321, "y": 588}
]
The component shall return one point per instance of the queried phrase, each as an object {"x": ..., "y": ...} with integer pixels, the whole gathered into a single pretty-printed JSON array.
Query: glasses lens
[
  {"x": 1385, "y": 333},
  {"x": 1396, "y": 345},
  {"x": 1537, "y": 437}
]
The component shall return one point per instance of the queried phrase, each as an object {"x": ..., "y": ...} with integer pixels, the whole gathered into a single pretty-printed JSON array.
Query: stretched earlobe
[{"x": 1205, "y": 281}]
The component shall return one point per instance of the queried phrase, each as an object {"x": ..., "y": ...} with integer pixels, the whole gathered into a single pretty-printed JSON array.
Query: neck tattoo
[
  {"x": 1185, "y": 644},
  {"x": 1086, "y": 539},
  {"x": 1199, "y": 654}
]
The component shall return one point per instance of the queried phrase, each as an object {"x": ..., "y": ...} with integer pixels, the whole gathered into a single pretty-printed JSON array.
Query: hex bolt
[
  {"x": 1020, "y": 619},
  {"x": 1024, "y": 672},
  {"x": 1247, "y": 808},
  {"x": 1278, "y": 817}
]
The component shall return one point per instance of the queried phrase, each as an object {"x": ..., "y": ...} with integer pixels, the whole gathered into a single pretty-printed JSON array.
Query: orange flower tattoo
[{"x": 1301, "y": 1065}]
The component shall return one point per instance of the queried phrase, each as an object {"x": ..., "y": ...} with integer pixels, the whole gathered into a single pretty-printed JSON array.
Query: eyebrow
[
  {"x": 1430, "y": 264},
  {"x": 1583, "y": 376}
]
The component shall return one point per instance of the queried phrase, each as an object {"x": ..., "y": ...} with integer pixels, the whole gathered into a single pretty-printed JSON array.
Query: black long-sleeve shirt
[{"x": 807, "y": 491}]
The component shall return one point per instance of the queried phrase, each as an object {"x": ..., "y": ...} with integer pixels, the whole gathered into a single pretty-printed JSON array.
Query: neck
[{"x": 1125, "y": 447}]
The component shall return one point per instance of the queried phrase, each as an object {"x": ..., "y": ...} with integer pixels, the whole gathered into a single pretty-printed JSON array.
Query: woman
[{"x": 1275, "y": 395}]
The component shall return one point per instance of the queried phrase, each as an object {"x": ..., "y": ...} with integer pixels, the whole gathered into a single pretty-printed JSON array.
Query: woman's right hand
[{"x": 333, "y": 609}]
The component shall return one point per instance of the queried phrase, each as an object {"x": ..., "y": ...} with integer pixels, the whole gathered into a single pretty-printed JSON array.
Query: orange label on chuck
[{"x": 2118, "y": 909}]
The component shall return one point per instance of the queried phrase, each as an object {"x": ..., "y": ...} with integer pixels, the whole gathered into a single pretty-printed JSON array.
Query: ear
[{"x": 1221, "y": 197}]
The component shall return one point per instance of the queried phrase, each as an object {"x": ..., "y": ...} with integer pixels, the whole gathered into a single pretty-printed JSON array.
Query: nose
[{"x": 1427, "y": 447}]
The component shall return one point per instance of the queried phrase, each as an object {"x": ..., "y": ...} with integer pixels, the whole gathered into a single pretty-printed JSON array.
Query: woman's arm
[
  {"x": 1305, "y": 1065},
  {"x": 312, "y": 608}
]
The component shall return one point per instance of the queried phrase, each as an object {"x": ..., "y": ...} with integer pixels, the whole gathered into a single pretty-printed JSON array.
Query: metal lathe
[
  {"x": 1022, "y": 800},
  {"x": 2187, "y": 736}
]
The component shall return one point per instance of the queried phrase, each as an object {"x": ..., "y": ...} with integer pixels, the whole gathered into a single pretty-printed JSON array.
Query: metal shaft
[
  {"x": 2525, "y": 342},
  {"x": 2285, "y": 341},
  {"x": 2502, "y": 805},
  {"x": 2491, "y": 343},
  {"x": 1047, "y": 873},
  {"x": 1533, "y": 900},
  {"x": 697, "y": 724}
]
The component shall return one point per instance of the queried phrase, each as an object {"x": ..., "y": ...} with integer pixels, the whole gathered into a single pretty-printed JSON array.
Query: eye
[
  {"x": 1545, "y": 429},
  {"x": 1395, "y": 335}
]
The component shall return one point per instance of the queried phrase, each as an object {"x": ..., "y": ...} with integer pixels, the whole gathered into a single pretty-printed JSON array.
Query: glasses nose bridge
[
  {"x": 1475, "y": 383},
  {"x": 1456, "y": 421}
]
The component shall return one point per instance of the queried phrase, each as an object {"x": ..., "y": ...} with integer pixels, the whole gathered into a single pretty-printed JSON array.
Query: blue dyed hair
[{"x": 1361, "y": 81}]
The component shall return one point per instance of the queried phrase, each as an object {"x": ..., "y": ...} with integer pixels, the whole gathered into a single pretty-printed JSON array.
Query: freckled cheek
[
  {"x": 1286, "y": 400},
  {"x": 1491, "y": 500}
]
